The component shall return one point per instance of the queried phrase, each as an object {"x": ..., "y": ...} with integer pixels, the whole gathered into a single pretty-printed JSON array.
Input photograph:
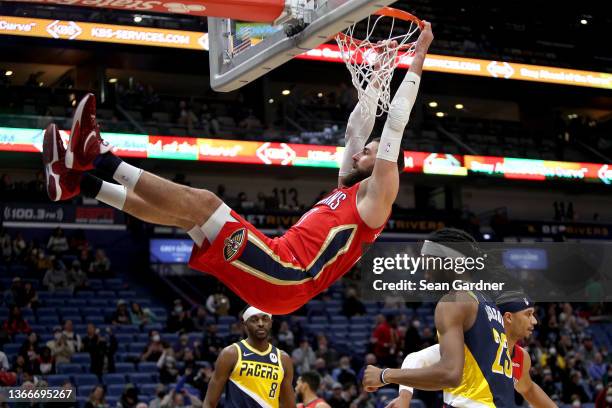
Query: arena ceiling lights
[
  {"x": 290, "y": 154},
  {"x": 145, "y": 36}
]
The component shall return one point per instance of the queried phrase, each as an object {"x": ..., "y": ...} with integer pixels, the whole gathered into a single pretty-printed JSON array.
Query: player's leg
[{"x": 86, "y": 151}]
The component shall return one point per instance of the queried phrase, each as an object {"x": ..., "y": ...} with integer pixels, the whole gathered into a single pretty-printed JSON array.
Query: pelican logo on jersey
[
  {"x": 233, "y": 244},
  {"x": 334, "y": 200},
  {"x": 259, "y": 370}
]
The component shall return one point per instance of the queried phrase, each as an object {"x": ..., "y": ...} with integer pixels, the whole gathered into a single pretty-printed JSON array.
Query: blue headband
[{"x": 515, "y": 306}]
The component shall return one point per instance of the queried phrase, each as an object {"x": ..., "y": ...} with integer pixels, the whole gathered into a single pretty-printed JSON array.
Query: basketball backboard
[{"x": 242, "y": 52}]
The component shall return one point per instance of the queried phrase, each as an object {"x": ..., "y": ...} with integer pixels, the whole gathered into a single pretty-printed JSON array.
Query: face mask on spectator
[
  {"x": 609, "y": 399},
  {"x": 599, "y": 387},
  {"x": 156, "y": 338},
  {"x": 178, "y": 309},
  {"x": 57, "y": 336}
]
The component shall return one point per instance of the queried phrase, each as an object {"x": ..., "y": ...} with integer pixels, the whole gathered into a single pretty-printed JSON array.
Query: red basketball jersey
[{"x": 518, "y": 356}]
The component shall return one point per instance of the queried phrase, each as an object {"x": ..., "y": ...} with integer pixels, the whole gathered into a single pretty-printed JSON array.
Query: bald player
[{"x": 253, "y": 372}]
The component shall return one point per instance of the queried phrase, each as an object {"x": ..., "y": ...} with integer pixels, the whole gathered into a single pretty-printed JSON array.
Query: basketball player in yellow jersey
[
  {"x": 475, "y": 366},
  {"x": 253, "y": 372}
]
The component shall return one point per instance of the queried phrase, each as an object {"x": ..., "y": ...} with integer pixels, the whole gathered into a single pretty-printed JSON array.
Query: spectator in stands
[
  {"x": 41, "y": 262},
  {"x": 383, "y": 340},
  {"x": 160, "y": 393},
  {"x": 186, "y": 117},
  {"x": 604, "y": 398},
  {"x": 337, "y": 399},
  {"x": 55, "y": 277},
  {"x": 15, "y": 294},
  {"x": 286, "y": 341},
  {"x": 45, "y": 363},
  {"x": 303, "y": 356},
  {"x": 329, "y": 354},
  {"x": 6, "y": 246},
  {"x": 199, "y": 320},
  {"x": 76, "y": 278},
  {"x": 97, "y": 398},
  {"x": 154, "y": 349},
  {"x": 19, "y": 247},
  {"x": 179, "y": 320},
  {"x": 78, "y": 242},
  {"x": 85, "y": 259},
  {"x": 182, "y": 346},
  {"x": 58, "y": 243},
  {"x": 597, "y": 368},
  {"x": 179, "y": 400},
  {"x": 344, "y": 373},
  {"x": 101, "y": 349},
  {"x": 121, "y": 315},
  {"x": 575, "y": 389},
  {"x": 212, "y": 344},
  {"x": 352, "y": 306},
  {"x": 21, "y": 366},
  {"x": 218, "y": 304},
  {"x": 412, "y": 339},
  {"x": 30, "y": 296},
  {"x": 236, "y": 333},
  {"x": 15, "y": 323},
  {"x": 30, "y": 347},
  {"x": 4, "y": 363},
  {"x": 365, "y": 400},
  {"x": 101, "y": 265},
  {"x": 141, "y": 316},
  {"x": 129, "y": 397},
  {"x": 202, "y": 378},
  {"x": 168, "y": 371},
  {"x": 74, "y": 340},
  {"x": 60, "y": 349},
  {"x": 321, "y": 367}
]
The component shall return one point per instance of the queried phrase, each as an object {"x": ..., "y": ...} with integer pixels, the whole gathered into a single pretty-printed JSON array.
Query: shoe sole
[
  {"x": 72, "y": 140},
  {"x": 50, "y": 157}
]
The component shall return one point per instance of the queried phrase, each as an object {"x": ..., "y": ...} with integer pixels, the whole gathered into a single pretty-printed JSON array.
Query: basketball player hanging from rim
[{"x": 276, "y": 275}]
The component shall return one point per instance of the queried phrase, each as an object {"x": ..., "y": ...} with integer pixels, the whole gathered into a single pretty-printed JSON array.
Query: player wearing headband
[
  {"x": 276, "y": 275},
  {"x": 519, "y": 321},
  {"x": 475, "y": 367},
  {"x": 253, "y": 372}
]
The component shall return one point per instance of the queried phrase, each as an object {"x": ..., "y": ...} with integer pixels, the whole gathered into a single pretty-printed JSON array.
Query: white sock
[
  {"x": 113, "y": 195},
  {"x": 127, "y": 175}
]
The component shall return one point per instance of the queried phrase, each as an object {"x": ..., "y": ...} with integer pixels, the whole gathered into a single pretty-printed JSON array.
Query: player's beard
[{"x": 355, "y": 176}]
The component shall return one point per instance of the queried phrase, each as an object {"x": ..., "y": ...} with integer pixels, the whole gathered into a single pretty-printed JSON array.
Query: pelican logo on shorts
[
  {"x": 273, "y": 358},
  {"x": 233, "y": 244}
]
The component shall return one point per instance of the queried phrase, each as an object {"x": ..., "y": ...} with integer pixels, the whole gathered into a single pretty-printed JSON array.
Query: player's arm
[
  {"x": 451, "y": 318},
  {"x": 383, "y": 185},
  {"x": 535, "y": 396},
  {"x": 223, "y": 369},
  {"x": 287, "y": 394}
]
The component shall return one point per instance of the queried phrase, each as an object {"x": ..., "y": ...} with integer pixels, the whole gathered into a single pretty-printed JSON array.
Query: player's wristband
[{"x": 382, "y": 376}]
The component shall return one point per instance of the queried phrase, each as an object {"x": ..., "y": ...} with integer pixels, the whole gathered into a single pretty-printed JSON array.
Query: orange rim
[
  {"x": 393, "y": 13},
  {"x": 399, "y": 14}
]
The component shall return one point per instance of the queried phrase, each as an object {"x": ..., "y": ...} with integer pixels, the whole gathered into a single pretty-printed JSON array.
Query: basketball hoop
[{"x": 375, "y": 57}]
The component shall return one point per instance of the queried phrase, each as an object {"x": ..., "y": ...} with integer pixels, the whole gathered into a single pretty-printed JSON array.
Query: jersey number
[
  {"x": 503, "y": 361},
  {"x": 273, "y": 389}
]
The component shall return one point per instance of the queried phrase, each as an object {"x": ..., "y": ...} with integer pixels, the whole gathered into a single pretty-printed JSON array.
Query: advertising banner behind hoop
[
  {"x": 293, "y": 154},
  {"x": 260, "y": 11},
  {"x": 108, "y": 33},
  {"x": 485, "y": 68}
]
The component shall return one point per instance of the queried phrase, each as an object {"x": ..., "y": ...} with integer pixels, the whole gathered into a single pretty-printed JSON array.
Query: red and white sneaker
[
  {"x": 85, "y": 143},
  {"x": 61, "y": 182}
]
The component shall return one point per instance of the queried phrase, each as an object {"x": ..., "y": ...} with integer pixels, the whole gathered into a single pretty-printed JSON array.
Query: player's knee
[{"x": 203, "y": 203}]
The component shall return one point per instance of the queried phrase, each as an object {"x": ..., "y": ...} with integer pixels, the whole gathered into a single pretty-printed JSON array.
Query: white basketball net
[{"x": 376, "y": 56}]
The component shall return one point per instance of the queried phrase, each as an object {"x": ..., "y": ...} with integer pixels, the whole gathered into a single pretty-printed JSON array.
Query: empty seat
[
  {"x": 69, "y": 368},
  {"x": 114, "y": 378},
  {"x": 106, "y": 294},
  {"x": 136, "y": 347},
  {"x": 114, "y": 390},
  {"x": 85, "y": 390},
  {"x": 124, "y": 368},
  {"x": 95, "y": 319},
  {"x": 86, "y": 294},
  {"x": 76, "y": 302},
  {"x": 147, "y": 367},
  {"x": 147, "y": 390},
  {"x": 127, "y": 328},
  {"x": 85, "y": 379},
  {"x": 124, "y": 338},
  {"x": 57, "y": 380},
  {"x": 48, "y": 320},
  {"x": 81, "y": 358},
  {"x": 75, "y": 318},
  {"x": 97, "y": 302},
  {"x": 46, "y": 311},
  {"x": 126, "y": 294},
  {"x": 141, "y": 378}
]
